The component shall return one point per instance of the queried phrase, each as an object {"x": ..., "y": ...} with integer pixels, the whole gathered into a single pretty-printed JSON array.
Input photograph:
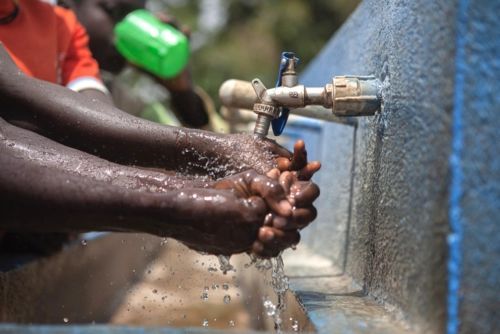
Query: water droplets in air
[
  {"x": 269, "y": 307},
  {"x": 225, "y": 266},
  {"x": 204, "y": 294},
  {"x": 295, "y": 325}
]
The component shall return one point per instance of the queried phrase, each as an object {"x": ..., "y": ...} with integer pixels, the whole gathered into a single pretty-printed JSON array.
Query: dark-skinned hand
[{"x": 249, "y": 220}]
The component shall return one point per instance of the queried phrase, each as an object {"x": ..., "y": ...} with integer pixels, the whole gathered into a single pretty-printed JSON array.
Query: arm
[
  {"x": 188, "y": 105},
  {"x": 98, "y": 128},
  {"x": 45, "y": 186}
]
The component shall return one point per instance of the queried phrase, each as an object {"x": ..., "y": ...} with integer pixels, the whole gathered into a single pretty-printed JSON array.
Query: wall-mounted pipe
[{"x": 345, "y": 96}]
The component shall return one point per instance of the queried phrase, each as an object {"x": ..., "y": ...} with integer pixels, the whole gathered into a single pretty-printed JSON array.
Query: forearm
[
  {"x": 93, "y": 126},
  {"x": 69, "y": 189},
  {"x": 190, "y": 108}
]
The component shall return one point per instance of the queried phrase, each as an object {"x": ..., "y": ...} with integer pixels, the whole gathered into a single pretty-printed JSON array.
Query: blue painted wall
[
  {"x": 475, "y": 167},
  {"x": 439, "y": 62}
]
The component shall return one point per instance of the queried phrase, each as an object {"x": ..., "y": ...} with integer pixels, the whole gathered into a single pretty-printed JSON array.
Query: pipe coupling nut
[{"x": 265, "y": 109}]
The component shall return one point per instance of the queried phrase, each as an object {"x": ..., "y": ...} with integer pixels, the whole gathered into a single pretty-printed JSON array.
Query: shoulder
[{"x": 65, "y": 15}]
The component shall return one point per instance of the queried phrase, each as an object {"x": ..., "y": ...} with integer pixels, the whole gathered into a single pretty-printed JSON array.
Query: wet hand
[
  {"x": 279, "y": 231},
  {"x": 237, "y": 222},
  {"x": 298, "y": 162}
]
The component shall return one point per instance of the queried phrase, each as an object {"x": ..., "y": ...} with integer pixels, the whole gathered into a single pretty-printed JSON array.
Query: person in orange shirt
[{"x": 47, "y": 42}]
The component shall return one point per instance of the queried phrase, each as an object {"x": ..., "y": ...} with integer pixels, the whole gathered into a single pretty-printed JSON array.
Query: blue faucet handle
[{"x": 279, "y": 123}]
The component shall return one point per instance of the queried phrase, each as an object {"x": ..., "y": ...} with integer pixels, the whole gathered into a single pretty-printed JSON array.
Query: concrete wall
[{"x": 389, "y": 230}]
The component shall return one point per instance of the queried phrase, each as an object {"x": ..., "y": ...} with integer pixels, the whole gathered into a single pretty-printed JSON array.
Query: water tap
[{"x": 346, "y": 95}]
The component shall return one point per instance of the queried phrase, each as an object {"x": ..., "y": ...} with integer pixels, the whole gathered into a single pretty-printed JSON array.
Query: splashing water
[
  {"x": 279, "y": 283},
  {"x": 269, "y": 307},
  {"x": 204, "y": 294},
  {"x": 225, "y": 266},
  {"x": 295, "y": 325},
  {"x": 205, "y": 323}
]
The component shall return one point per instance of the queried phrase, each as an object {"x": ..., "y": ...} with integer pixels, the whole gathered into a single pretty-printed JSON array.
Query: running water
[
  {"x": 225, "y": 266},
  {"x": 279, "y": 283}
]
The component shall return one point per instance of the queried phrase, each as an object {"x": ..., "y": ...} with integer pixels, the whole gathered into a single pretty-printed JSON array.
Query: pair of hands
[
  {"x": 262, "y": 214},
  {"x": 251, "y": 209}
]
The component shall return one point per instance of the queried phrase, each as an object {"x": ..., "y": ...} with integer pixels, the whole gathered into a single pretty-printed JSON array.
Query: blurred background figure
[
  {"x": 174, "y": 101},
  {"x": 243, "y": 39},
  {"x": 228, "y": 39}
]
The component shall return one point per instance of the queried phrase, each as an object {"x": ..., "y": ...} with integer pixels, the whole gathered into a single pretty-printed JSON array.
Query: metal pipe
[{"x": 346, "y": 96}]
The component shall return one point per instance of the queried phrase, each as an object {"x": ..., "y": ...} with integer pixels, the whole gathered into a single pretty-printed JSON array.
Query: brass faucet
[{"x": 346, "y": 95}]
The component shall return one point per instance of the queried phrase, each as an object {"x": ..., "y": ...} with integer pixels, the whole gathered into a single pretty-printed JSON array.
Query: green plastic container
[{"x": 151, "y": 44}]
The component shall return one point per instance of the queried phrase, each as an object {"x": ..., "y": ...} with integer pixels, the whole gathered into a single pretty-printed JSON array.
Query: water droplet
[
  {"x": 155, "y": 291},
  {"x": 83, "y": 242},
  {"x": 66, "y": 320},
  {"x": 227, "y": 299},
  {"x": 225, "y": 286},
  {"x": 205, "y": 323},
  {"x": 204, "y": 296},
  {"x": 269, "y": 307},
  {"x": 215, "y": 286},
  {"x": 212, "y": 269},
  {"x": 225, "y": 266},
  {"x": 163, "y": 242},
  {"x": 231, "y": 323},
  {"x": 295, "y": 326}
]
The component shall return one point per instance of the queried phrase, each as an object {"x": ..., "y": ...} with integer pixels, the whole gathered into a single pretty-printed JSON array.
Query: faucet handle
[
  {"x": 261, "y": 91},
  {"x": 265, "y": 108}
]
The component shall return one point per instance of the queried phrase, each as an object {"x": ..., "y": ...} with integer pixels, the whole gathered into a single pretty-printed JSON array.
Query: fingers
[
  {"x": 301, "y": 217},
  {"x": 271, "y": 241},
  {"x": 273, "y": 174},
  {"x": 303, "y": 193},
  {"x": 284, "y": 164},
  {"x": 298, "y": 162},
  {"x": 299, "y": 159},
  {"x": 272, "y": 193},
  {"x": 309, "y": 170}
]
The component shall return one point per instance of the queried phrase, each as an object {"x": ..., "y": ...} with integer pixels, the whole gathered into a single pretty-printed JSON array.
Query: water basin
[{"x": 141, "y": 282}]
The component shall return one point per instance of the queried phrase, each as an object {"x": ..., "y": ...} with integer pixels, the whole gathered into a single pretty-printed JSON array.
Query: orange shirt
[{"x": 47, "y": 42}]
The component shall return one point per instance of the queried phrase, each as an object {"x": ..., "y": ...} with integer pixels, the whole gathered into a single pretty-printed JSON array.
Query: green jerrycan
[{"x": 152, "y": 45}]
